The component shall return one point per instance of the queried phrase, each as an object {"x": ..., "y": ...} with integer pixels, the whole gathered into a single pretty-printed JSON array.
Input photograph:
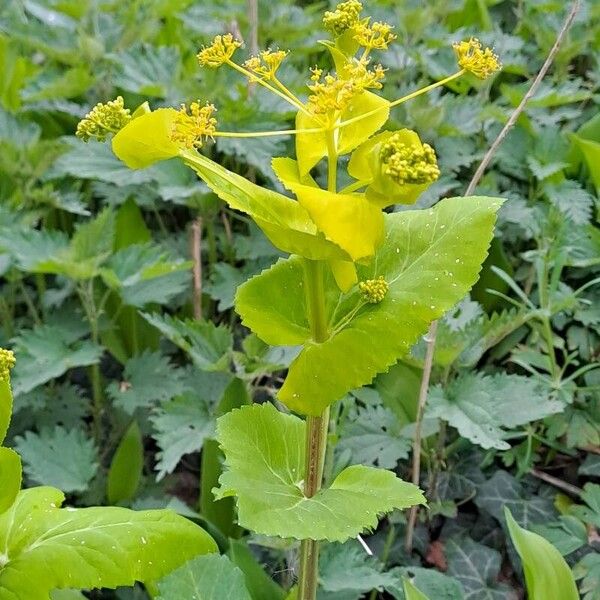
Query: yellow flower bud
[
  {"x": 219, "y": 52},
  {"x": 374, "y": 290},
  {"x": 472, "y": 57},
  {"x": 7, "y": 362},
  {"x": 191, "y": 128},
  {"x": 405, "y": 163},
  {"x": 266, "y": 64},
  {"x": 344, "y": 17},
  {"x": 103, "y": 120}
]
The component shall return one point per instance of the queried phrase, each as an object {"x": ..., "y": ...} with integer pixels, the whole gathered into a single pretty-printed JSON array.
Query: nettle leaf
[
  {"x": 47, "y": 352},
  {"x": 477, "y": 568},
  {"x": 262, "y": 444},
  {"x": 57, "y": 457},
  {"x": 571, "y": 200},
  {"x": 430, "y": 259},
  {"x": 148, "y": 379},
  {"x": 144, "y": 274},
  {"x": 29, "y": 248},
  {"x": 504, "y": 490},
  {"x": 181, "y": 426},
  {"x": 482, "y": 407},
  {"x": 547, "y": 575},
  {"x": 207, "y": 344},
  {"x": 210, "y": 577},
  {"x": 56, "y": 548}
]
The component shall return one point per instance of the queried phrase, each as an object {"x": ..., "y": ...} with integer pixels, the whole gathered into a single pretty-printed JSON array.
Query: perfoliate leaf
[
  {"x": 56, "y": 548},
  {"x": 207, "y": 344},
  {"x": 6, "y": 404},
  {"x": 44, "y": 458},
  {"x": 262, "y": 444},
  {"x": 210, "y": 577},
  {"x": 429, "y": 259},
  {"x": 126, "y": 466},
  {"x": 547, "y": 574},
  {"x": 482, "y": 407},
  {"x": 284, "y": 221},
  {"x": 10, "y": 478}
]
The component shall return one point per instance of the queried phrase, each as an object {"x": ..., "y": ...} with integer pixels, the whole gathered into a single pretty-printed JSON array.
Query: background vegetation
[{"x": 117, "y": 387}]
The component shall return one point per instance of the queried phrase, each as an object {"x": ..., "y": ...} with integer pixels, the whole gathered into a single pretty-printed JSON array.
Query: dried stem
[
  {"x": 470, "y": 188},
  {"x": 196, "y": 247},
  {"x": 573, "y": 490}
]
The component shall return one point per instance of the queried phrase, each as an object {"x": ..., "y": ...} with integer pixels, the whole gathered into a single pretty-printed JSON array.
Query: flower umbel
[
  {"x": 374, "y": 290},
  {"x": 472, "y": 57},
  {"x": 377, "y": 36},
  {"x": 7, "y": 362},
  {"x": 219, "y": 52},
  {"x": 405, "y": 163},
  {"x": 266, "y": 64},
  {"x": 103, "y": 120},
  {"x": 344, "y": 17},
  {"x": 193, "y": 127}
]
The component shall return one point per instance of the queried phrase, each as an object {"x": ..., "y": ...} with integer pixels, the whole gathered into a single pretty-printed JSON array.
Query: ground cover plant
[{"x": 224, "y": 312}]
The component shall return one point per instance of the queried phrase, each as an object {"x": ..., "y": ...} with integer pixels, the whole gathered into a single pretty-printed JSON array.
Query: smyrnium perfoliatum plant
[{"x": 360, "y": 286}]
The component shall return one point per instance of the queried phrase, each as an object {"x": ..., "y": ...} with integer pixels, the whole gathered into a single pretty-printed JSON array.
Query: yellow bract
[{"x": 472, "y": 57}]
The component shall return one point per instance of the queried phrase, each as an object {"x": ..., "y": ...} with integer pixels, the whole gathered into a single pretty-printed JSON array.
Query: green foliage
[
  {"x": 126, "y": 466},
  {"x": 279, "y": 507}
]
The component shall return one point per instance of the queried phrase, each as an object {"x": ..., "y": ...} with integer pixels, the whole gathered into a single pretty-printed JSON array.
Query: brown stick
[
  {"x": 470, "y": 188},
  {"x": 197, "y": 270},
  {"x": 573, "y": 490}
]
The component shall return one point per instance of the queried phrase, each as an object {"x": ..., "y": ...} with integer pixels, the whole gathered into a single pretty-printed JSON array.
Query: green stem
[{"x": 332, "y": 161}]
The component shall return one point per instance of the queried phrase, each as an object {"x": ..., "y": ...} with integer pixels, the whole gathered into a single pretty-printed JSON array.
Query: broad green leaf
[
  {"x": 312, "y": 147},
  {"x": 267, "y": 446},
  {"x": 411, "y": 592},
  {"x": 130, "y": 227},
  {"x": 148, "y": 379},
  {"x": 591, "y": 154},
  {"x": 56, "y": 548},
  {"x": 429, "y": 258},
  {"x": 483, "y": 407},
  {"x": 126, "y": 466},
  {"x": 10, "y": 478},
  {"x": 284, "y": 221},
  {"x": 44, "y": 458},
  {"x": 6, "y": 403},
  {"x": 147, "y": 139},
  {"x": 207, "y": 344},
  {"x": 547, "y": 575},
  {"x": 210, "y": 577}
]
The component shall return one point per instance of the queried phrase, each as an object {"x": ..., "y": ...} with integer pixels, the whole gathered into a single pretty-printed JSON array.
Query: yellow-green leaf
[{"x": 10, "y": 478}]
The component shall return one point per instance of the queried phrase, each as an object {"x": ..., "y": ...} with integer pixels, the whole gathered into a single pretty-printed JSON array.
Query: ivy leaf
[
  {"x": 181, "y": 426},
  {"x": 44, "y": 458},
  {"x": 480, "y": 406},
  {"x": 262, "y": 444},
  {"x": 207, "y": 344},
  {"x": 503, "y": 490},
  {"x": 56, "y": 548},
  {"x": 148, "y": 379},
  {"x": 47, "y": 352},
  {"x": 477, "y": 568},
  {"x": 451, "y": 239},
  {"x": 210, "y": 577}
]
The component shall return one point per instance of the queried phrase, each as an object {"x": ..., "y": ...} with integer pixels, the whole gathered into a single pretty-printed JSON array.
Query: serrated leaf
[
  {"x": 47, "y": 352},
  {"x": 210, "y": 577},
  {"x": 126, "y": 466},
  {"x": 44, "y": 458},
  {"x": 148, "y": 379},
  {"x": 207, "y": 344},
  {"x": 547, "y": 574},
  {"x": 86, "y": 548},
  {"x": 571, "y": 200},
  {"x": 262, "y": 444},
  {"x": 451, "y": 240},
  {"x": 181, "y": 426},
  {"x": 482, "y": 407}
]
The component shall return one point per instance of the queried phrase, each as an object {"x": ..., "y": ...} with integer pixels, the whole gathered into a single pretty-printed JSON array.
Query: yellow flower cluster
[
  {"x": 266, "y": 64},
  {"x": 191, "y": 128},
  {"x": 344, "y": 17},
  {"x": 219, "y": 52},
  {"x": 374, "y": 290},
  {"x": 103, "y": 119},
  {"x": 363, "y": 77},
  {"x": 408, "y": 164},
  {"x": 472, "y": 57},
  {"x": 377, "y": 36},
  {"x": 7, "y": 362}
]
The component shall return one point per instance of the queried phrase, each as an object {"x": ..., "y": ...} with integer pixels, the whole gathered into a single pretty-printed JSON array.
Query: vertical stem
[
  {"x": 332, "y": 161},
  {"x": 197, "y": 271}
]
